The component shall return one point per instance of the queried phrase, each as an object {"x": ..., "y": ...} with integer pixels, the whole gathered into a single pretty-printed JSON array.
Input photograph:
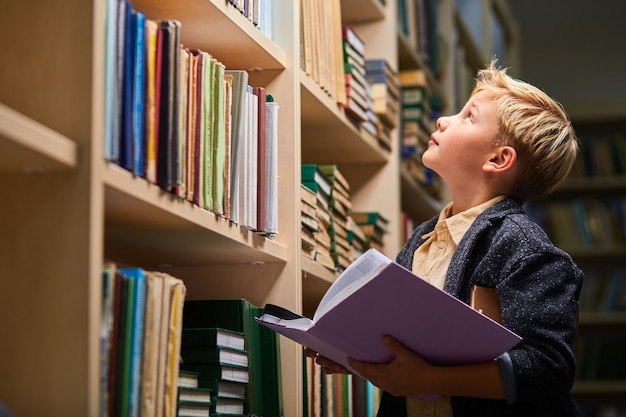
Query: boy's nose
[{"x": 442, "y": 123}]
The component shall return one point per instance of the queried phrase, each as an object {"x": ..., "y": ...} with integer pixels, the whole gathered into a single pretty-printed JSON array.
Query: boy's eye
[{"x": 468, "y": 118}]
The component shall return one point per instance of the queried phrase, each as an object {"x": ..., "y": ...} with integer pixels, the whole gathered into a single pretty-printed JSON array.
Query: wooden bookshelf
[
  {"x": 65, "y": 210},
  {"x": 601, "y": 259}
]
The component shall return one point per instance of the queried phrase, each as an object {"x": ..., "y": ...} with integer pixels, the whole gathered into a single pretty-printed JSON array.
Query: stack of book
[
  {"x": 417, "y": 125},
  {"x": 219, "y": 357},
  {"x": 374, "y": 227},
  {"x": 356, "y": 237},
  {"x": 340, "y": 207},
  {"x": 192, "y": 399},
  {"x": 357, "y": 88},
  {"x": 385, "y": 94},
  {"x": 315, "y": 180},
  {"x": 309, "y": 222},
  {"x": 244, "y": 372}
]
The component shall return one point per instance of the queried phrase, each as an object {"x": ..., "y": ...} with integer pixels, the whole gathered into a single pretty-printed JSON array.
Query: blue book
[
  {"x": 137, "y": 304},
  {"x": 126, "y": 134},
  {"x": 138, "y": 107}
]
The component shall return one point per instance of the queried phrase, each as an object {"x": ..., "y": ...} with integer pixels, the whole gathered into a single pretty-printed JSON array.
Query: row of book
[
  {"x": 602, "y": 357},
  {"x": 140, "y": 342},
  {"x": 333, "y": 233},
  {"x": 583, "y": 221},
  {"x": 321, "y": 52},
  {"x": 337, "y": 395},
  {"x": 417, "y": 21},
  {"x": 601, "y": 410},
  {"x": 259, "y": 12},
  {"x": 178, "y": 118},
  {"x": 234, "y": 356},
  {"x": 604, "y": 291},
  {"x": 213, "y": 360},
  {"x": 601, "y": 157},
  {"x": 336, "y": 62},
  {"x": 417, "y": 115}
]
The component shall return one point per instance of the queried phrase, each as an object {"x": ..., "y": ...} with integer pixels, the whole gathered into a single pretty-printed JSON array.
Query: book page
[{"x": 361, "y": 271}]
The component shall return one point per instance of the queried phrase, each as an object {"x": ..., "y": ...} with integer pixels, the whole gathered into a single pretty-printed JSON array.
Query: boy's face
[{"x": 462, "y": 143}]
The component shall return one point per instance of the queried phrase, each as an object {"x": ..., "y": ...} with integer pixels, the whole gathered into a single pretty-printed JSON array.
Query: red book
[{"x": 261, "y": 95}]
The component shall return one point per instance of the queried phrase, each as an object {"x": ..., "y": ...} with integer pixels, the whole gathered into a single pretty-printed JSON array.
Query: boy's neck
[{"x": 465, "y": 201}]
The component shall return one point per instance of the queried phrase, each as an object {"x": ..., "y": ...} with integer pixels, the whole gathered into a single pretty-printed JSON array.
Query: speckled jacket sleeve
[{"x": 537, "y": 284}]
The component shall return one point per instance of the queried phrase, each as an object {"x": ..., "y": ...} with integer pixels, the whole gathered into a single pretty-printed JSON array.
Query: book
[
  {"x": 133, "y": 338},
  {"x": 312, "y": 174},
  {"x": 212, "y": 336},
  {"x": 237, "y": 127},
  {"x": 260, "y": 95},
  {"x": 218, "y": 371},
  {"x": 195, "y": 395},
  {"x": 150, "y": 140},
  {"x": 167, "y": 142},
  {"x": 215, "y": 354},
  {"x": 128, "y": 82},
  {"x": 226, "y": 405},
  {"x": 154, "y": 312},
  {"x": 111, "y": 80},
  {"x": 271, "y": 166},
  {"x": 193, "y": 409},
  {"x": 224, "y": 389},
  {"x": 375, "y": 296},
  {"x": 188, "y": 378}
]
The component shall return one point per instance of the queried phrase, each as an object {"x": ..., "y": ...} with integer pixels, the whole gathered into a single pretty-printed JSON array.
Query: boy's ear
[{"x": 502, "y": 159}]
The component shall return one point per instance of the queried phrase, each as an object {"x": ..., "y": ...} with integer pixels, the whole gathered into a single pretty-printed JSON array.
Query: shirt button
[{"x": 442, "y": 245}]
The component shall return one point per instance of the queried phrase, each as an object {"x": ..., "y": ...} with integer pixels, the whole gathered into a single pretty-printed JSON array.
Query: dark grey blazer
[{"x": 537, "y": 284}]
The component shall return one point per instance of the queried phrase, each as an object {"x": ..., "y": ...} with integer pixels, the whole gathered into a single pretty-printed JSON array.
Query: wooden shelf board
[
  {"x": 328, "y": 136},
  {"x": 28, "y": 146},
  {"x": 161, "y": 229},
  {"x": 216, "y": 27},
  {"x": 361, "y": 11}
]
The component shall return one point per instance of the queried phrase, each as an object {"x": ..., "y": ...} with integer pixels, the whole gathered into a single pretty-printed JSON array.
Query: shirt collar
[{"x": 458, "y": 224}]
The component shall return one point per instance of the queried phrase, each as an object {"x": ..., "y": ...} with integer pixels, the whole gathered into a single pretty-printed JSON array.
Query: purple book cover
[{"x": 427, "y": 320}]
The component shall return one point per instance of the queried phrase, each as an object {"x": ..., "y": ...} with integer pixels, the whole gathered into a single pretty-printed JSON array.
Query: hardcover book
[{"x": 374, "y": 297}]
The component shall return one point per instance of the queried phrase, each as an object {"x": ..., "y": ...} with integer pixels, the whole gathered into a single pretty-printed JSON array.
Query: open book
[{"x": 375, "y": 296}]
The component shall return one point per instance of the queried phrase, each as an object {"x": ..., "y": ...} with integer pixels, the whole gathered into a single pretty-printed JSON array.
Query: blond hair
[{"x": 535, "y": 126}]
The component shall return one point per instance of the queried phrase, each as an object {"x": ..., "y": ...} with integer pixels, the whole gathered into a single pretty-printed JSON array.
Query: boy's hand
[
  {"x": 329, "y": 367},
  {"x": 405, "y": 375}
]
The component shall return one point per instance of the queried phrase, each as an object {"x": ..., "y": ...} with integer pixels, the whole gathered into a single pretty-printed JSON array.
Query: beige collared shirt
[{"x": 430, "y": 262}]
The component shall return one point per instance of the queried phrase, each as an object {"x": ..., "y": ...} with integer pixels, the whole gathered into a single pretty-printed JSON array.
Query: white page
[{"x": 362, "y": 270}]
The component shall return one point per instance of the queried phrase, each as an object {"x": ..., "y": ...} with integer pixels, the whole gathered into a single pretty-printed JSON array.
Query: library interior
[{"x": 169, "y": 168}]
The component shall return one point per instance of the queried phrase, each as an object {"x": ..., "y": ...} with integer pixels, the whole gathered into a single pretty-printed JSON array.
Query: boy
[{"x": 511, "y": 143}]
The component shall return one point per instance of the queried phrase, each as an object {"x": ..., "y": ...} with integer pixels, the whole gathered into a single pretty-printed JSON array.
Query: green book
[
  {"x": 228, "y": 389},
  {"x": 312, "y": 174},
  {"x": 215, "y": 354},
  {"x": 194, "y": 395},
  {"x": 271, "y": 370},
  {"x": 218, "y": 371},
  {"x": 192, "y": 409},
  {"x": 237, "y": 315},
  {"x": 212, "y": 336}
]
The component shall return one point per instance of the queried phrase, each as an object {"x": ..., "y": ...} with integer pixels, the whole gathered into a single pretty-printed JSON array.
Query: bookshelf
[
  {"x": 64, "y": 209},
  {"x": 591, "y": 198}
]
